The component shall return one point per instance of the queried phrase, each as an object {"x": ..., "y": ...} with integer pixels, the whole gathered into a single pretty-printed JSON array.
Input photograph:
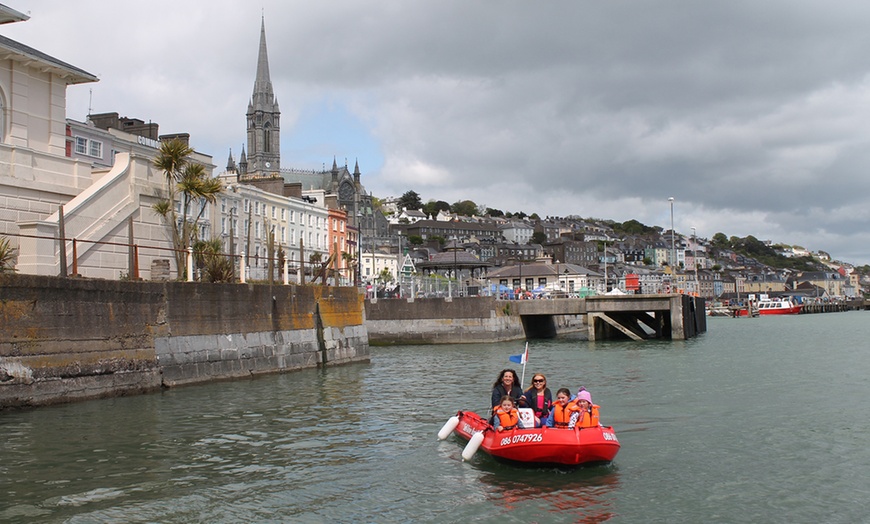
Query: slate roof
[{"x": 10, "y": 49}]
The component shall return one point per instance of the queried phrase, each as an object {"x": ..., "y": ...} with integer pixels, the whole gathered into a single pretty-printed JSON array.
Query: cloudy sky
[{"x": 754, "y": 116}]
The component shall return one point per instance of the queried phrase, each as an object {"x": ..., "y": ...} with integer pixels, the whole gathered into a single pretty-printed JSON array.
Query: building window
[
  {"x": 292, "y": 217},
  {"x": 283, "y": 214},
  {"x": 96, "y": 149},
  {"x": 89, "y": 147},
  {"x": 273, "y": 211},
  {"x": 247, "y": 206}
]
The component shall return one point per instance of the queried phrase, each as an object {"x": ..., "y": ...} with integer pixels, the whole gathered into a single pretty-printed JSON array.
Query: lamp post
[
  {"x": 673, "y": 245},
  {"x": 695, "y": 259}
]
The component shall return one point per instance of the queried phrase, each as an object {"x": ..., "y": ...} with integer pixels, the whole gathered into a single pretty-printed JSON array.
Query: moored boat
[
  {"x": 566, "y": 447},
  {"x": 778, "y": 306}
]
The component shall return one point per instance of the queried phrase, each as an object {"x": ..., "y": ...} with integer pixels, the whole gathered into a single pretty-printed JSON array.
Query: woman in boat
[
  {"x": 505, "y": 415},
  {"x": 586, "y": 415},
  {"x": 507, "y": 384},
  {"x": 562, "y": 410},
  {"x": 538, "y": 398}
]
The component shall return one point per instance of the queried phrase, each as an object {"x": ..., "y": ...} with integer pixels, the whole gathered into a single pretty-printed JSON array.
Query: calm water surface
[{"x": 758, "y": 420}]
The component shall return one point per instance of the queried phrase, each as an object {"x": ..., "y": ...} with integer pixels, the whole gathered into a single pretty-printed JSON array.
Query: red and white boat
[
  {"x": 778, "y": 306},
  {"x": 566, "y": 447}
]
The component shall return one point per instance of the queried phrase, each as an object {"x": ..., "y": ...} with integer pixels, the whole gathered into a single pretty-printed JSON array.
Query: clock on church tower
[{"x": 346, "y": 192}]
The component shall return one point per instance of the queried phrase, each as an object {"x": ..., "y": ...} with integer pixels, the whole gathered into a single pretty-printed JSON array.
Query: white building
[
  {"x": 246, "y": 215},
  {"x": 104, "y": 181},
  {"x": 373, "y": 263},
  {"x": 518, "y": 232}
]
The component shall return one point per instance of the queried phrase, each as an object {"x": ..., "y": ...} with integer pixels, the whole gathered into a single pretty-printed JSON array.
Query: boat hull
[
  {"x": 778, "y": 307},
  {"x": 567, "y": 447},
  {"x": 781, "y": 311}
]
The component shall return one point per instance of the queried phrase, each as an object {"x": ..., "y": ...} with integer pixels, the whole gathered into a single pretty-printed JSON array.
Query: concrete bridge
[{"x": 636, "y": 317}]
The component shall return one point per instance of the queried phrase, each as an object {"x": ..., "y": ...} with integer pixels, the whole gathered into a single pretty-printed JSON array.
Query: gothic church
[{"x": 263, "y": 157}]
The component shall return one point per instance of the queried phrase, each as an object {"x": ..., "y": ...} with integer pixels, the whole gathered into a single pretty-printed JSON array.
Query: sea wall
[
  {"x": 456, "y": 321},
  {"x": 65, "y": 339}
]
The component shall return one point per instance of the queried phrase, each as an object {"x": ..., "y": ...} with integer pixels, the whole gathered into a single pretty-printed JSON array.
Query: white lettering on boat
[
  {"x": 467, "y": 429},
  {"x": 609, "y": 436},
  {"x": 522, "y": 437}
]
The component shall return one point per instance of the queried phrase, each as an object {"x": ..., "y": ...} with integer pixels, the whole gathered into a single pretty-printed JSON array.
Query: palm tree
[
  {"x": 7, "y": 256},
  {"x": 209, "y": 257},
  {"x": 196, "y": 189}
]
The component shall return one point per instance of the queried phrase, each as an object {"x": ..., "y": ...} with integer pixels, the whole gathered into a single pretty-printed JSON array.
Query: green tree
[
  {"x": 385, "y": 276},
  {"x": 7, "y": 256},
  {"x": 633, "y": 227},
  {"x": 189, "y": 185},
  {"x": 432, "y": 207},
  {"x": 720, "y": 241},
  {"x": 465, "y": 208},
  {"x": 490, "y": 212},
  {"x": 415, "y": 240},
  {"x": 213, "y": 264},
  {"x": 410, "y": 200},
  {"x": 539, "y": 237},
  {"x": 350, "y": 263}
]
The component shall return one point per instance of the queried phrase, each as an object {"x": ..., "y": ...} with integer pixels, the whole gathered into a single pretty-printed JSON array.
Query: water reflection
[{"x": 580, "y": 494}]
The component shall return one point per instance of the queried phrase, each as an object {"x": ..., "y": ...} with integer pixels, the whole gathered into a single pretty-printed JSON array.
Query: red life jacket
[{"x": 507, "y": 419}]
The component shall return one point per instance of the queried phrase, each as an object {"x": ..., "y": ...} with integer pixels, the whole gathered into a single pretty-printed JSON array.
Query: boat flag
[{"x": 522, "y": 358}]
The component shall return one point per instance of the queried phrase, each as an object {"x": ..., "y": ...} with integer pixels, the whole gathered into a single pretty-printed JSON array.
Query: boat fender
[
  {"x": 473, "y": 443},
  {"x": 448, "y": 427}
]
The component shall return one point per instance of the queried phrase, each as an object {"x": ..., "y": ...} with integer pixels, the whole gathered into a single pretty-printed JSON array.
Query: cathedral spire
[
  {"x": 264, "y": 118},
  {"x": 263, "y": 93},
  {"x": 231, "y": 164}
]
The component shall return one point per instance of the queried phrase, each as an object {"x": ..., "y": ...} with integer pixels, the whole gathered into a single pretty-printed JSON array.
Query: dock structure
[
  {"x": 641, "y": 317},
  {"x": 636, "y": 317}
]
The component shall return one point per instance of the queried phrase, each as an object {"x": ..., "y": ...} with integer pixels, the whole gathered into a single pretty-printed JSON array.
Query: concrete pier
[{"x": 640, "y": 317}]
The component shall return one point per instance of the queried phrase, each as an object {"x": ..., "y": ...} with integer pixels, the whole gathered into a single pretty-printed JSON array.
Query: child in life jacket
[
  {"x": 506, "y": 416},
  {"x": 586, "y": 414},
  {"x": 562, "y": 410}
]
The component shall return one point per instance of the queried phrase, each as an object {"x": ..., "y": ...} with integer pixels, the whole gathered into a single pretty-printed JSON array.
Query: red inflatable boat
[{"x": 570, "y": 447}]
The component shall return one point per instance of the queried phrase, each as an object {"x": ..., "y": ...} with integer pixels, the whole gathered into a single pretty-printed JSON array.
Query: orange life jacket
[
  {"x": 562, "y": 414},
  {"x": 507, "y": 419},
  {"x": 587, "y": 419}
]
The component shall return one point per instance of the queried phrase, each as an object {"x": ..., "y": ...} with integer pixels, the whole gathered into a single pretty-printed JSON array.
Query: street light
[
  {"x": 695, "y": 259},
  {"x": 673, "y": 245}
]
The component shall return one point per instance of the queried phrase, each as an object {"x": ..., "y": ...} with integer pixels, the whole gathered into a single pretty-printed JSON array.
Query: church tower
[{"x": 264, "y": 127}]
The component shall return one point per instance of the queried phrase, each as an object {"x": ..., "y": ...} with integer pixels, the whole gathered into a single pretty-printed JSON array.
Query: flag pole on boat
[{"x": 521, "y": 359}]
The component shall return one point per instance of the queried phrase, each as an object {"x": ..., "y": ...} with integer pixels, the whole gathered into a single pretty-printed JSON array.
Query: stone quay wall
[
  {"x": 67, "y": 339},
  {"x": 440, "y": 321}
]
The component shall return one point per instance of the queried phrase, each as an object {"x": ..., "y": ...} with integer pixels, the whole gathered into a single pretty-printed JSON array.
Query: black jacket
[
  {"x": 499, "y": 391},
  {"x": 530, "y": 400}
]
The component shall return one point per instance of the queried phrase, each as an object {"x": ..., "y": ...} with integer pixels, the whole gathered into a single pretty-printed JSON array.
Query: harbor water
[{"x": 757, "y": 420}]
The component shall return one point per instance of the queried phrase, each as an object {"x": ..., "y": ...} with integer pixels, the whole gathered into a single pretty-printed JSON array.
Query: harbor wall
[
  {"x": 456, "y": 321},
  {"x": 64, "y": 339}
]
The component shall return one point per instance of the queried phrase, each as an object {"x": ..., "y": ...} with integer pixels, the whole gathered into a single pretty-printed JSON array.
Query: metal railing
[{"x": 258, "y": 271}]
